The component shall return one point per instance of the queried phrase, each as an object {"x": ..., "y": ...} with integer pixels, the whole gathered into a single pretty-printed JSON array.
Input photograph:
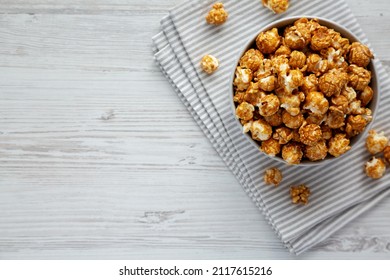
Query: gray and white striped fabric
[{"x": 340, "y": 189}]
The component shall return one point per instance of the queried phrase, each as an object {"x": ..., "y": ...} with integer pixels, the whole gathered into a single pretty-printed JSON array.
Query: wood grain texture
[{"x": 99, "y": 159}]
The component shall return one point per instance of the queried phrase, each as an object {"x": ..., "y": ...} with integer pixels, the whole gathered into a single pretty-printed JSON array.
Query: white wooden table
[{"x": 99, "y": 159}]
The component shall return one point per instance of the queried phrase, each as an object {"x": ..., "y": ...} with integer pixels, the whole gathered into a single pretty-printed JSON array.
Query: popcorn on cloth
[
  {"x": 300, "y": 194},
  {"x": 217, "y": 15},
  {"x": 273, "y": 176},
  {"x": 209, "y": 64},
  {"x": 375, "y": 168},
  {"x": 277, "y": 6},
  {"x": 376, "y": 142}
]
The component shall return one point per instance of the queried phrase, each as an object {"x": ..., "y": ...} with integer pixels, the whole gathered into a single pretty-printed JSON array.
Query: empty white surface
[{"x": 99, "y": 159}]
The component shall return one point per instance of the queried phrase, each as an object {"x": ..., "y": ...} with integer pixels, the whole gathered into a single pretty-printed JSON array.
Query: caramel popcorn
[
  {"x": 283, "y": 50},
  {"x": 261, "y": 130},
  {"x": 317, "y": 119},
  {"x": 321, "y": 39},
  {"x": 339, "y": 145},
  {"x": 252, "y": 59},
  {"x": 253, "y": 94},
  {"x": 327, "y": 132},
  {"x": 277, "y": 6},
  {"x": 316, "y": 65},
  {"x": 366, "y": 95},
  {"x": 269, "y": 105},
  {"x": 332, "y": 82},
  {"x": 316, "y": 103},
  {"x": 292, "y": 153},
  {"x": 265, "y": 69},
  {"x": 340, "y": 43},
  {"x": 335, "y": 118},
  {"x": 376, "y": 142},
  {"x": 275, "y": 119},
  {"x": 386, "y": 154},
  {"x": 268, "y": 83},
  {"x": 217, "y": 15},
  {"x": 292, "y": 121},
  {"x": 291, "y": 81},
  {"x": 360, "y": 55},
  {"x": 300, "y": 194},
  {"x": 310, "y": 83},
  {"x": 244, "y": 111},
  {"x": 297, "y": 60},
  {"x": 243, "y": 78},
  {"x": 283, "y": 135},
  {"x": 267, "y": 42},
  {"x": 310, "y": 134},
  {"x": 291, "y": 103},
  {"x": 316, "y": 152},
  {"x": 359, "y": 78},
  {"x": 294, "y": 39},
  {"x": 271, "y": 147},
  {"x": 209, "y": 64},
  {"x": 273, "y": 176},
  {"x": 349, "y": 93},
  {"x": 375, "y": 168},
  {"x": 356, "y": 124},
  {"x": 280, "y": 64},
  {"x": 341, "y": 102}
]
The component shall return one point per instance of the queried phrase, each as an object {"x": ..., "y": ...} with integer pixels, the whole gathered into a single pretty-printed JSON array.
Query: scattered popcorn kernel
[
  {"x": 294, "y": 39},
  {"x": 310, "y": 134},
  {"x": 356, "y": 124},
  {"x": 252, "y": 60},
  {"x": 267, "y": 42},
  {"x": 317, "y": 152},
  {"x": 376, "y": 142},
  {"x": 339, "y": 145},
  {"x": 243, "y": 78},
  {"x": 275, "y": 119},
  {"x": 293, "y": 122},
  {"x": 327, "y": 132},
  {"x": 244, "y": 111},
  {"x": 297, "y": 60},
  {"x": 366, "y": 96},
  {"x": 310, "y": 83},
  {"x": 321, "y": 39},
  {"x": 283, "y": 135},
  {"x": 273, "y": 176},
  {"x": 359, "y": 78},
  {"x": 335, "y": 118},
  {"x": 209, "y": 64},
  {"x": 375, "y": 168},
  {"x": 360, "y": 54},
  {"x": 292, "y": 153},
  {"x": 316, "y": 103},
  {"x": 316, "y": 65},
  {"x": 300, "y": 194},
  {"x": 386, "y": 154},
  {"x": 217, "y": 15},
  {"x": 332, "y": 82},
  {"x": 261, "y": 130},
  {"x": 277, "y": 6},
  {"x": 268, "y": 83},
  {"x": 269, "y": 105},
  {"x": 283, "y": 50},
  {"x": 271, "y": 147}
]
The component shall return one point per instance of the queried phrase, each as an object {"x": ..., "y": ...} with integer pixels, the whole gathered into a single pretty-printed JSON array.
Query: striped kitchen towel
[{"x": 340, "y": 189}]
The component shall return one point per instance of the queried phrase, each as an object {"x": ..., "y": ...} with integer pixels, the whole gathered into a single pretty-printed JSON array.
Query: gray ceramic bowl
[{"x": 345, "y": 33}]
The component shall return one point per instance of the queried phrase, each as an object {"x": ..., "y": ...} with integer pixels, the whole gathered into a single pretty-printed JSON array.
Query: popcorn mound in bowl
[{"x": 302, "y": 91}]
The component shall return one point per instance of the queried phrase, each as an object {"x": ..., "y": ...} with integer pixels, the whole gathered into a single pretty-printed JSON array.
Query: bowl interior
[{"x": 345, "y": 33}]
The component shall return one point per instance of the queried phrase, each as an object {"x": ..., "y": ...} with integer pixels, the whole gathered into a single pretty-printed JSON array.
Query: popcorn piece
[
  {"x": 265, "y": 69},
  {"x": 334, "y": 58},
  {"x": 252, "y": 60},
  {"x": 261, "y": 130},
  {"x": 273, "y": 176},
  {"x": 310, "y": 83},
  {"x": 304, "y": 27},
  {"x": 376, "y": 142},
  {"x": 269, "y": 105},
  {"x": 310, "y": 134},
  {"x": 291, "y": 81},
  {"x": 294, "y": 39},
  {"x": 317, "y": 152},
  {"x": 340, "y": 43},
  {"x": 386, "y": 154},
  {"x": 316, "y": 103},
  {"x": 321, "y": 39},
  {"x": 293, "y": 122},
  {"x": 283, "y": 135},
  {"x": 268, "y": 41},
  {"x": 375, "y": 168},
  {"x": 280, "y": 65},
  {"x": 283, "y": 50},
  {"x": 268, "y": 83},
  {"x": 271, "y": 147},
  {"x": 243, "y": 78},
  {"x": 341, "y": 103},
  {"x": 339, "y": 145},
  {"x": 277, "y": 6},
  {"x": 349, "y": 93},
  {"x": 356, "y": 124},
  {"x": 246, "y": 126},
  {"x": 297, "y": 60},
  {"x": 209, "y": 64},
  {"x": 291, "y": 103},
  {"x": 317, "y": 119},
  {"x": 335, "y": 118},
  {"x": 355, "y": 108},
  {"x": 300, "y": 194},
  {"x": 253, "y": 94},
  {"x": 275, "y": 119},
  {"x": 295, "y": 136},
  {"x": 217, "y": 15},
  {"x": 366, "y": 96},
  {"x": 244, "y": 111},
  {"x": 239, "y": 96},
  {"x": 316, "y": 65},
  {"x": 332, "y": 82},
  {"x": 292, "y": 153},
  {"x": 359, "y": 78},
  {"x": 327, "y": 132},
  {"x": 360, "y": 54}
]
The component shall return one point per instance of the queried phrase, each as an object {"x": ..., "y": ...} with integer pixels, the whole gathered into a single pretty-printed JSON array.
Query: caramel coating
[
  {"x": 340, "y": 43},
  {"x": 217, "y": 15},
  {"x": 291, "y": 81},
  {"x": 277, "y": 6},
  {"x": 267, "y": 83},
  {"x": 273, "y": 176},
  {"x": 376, "y": 142},
  {"x": 360, "y": 54},
  {"x": 275, "y": 119},
  {"x": 297, "y": 60},
  {"x": 310, "y": 134},
  {"x": 332, "y": 82},
  {"x": 316, "y": 152},
  {"x": 300, "y": 194},
  {"x": 310, "y": 83},
  {"x": 327, "y": 132},
  {"x": 244, "y": 111},
  {"x": 386, "y": 154},
  {"x": 291, "y": 103},
  {"x": 339, "y": 145},
  {"x": 261, "y": 130},
  {"x": 359, "y": 78},
  {"x": 253, "y": 94},
  {"x": 209, "y": 64},
  {"x": 292, "y": 153},
  {"x": 321, "y": 39},
  {"x": 335, "y": 118},
  {"x": 269, "y": 105},
  {"x": 280, "y": 65},
  {"x": 349, "y": 93},
  {"x": 243, "y": 78},
  {"x": 283, "y": 50},
  {"x": 271, "y": 147},
  {"x": 341, "y": 102},
  {"x": 356, "y": 124},
  {"x": 366, "y": 96},
  {"x": 375, "y": 168},
  {"x": 252, "y": 59},
  {"x": 294, "y": 39},
  {"x": 268, "y": 41},
  {"x": 316, "y": 65},
  {"x": 283, "y": 135},
  {"x": 334, "y": 58},
  {"x": 317, "y": 119},
  {"x": 316, "y": 103},
  {"x": 293, "y": 122}
]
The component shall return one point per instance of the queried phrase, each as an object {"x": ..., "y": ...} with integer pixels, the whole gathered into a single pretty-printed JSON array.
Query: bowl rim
[{"x": 345, "y": 32}]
